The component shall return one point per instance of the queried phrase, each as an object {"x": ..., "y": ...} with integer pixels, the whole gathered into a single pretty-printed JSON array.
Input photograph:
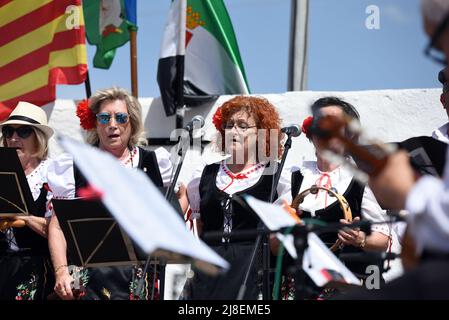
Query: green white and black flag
[{"x": 200, "y": 58}]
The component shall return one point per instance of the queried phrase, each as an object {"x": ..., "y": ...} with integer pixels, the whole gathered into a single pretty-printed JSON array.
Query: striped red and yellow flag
[{"x": 42, "y": 44}]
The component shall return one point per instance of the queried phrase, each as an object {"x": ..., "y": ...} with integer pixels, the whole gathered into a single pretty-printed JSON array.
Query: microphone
[
  {"x": 293, "y": 130},
  {"x": 197, "y": 122}
]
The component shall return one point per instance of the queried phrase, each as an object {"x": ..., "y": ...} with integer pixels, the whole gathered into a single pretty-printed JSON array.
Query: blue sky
[{"x": 343, "y": 54}]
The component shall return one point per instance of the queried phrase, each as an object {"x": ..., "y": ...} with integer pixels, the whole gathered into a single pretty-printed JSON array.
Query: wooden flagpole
[{"x": 133, "y": 56}]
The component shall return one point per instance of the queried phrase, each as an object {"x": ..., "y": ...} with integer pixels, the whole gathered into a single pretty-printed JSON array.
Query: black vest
[
  {"x": 212, "y": 203},
  {"x": 147, "y": 163},
  {"x": 333, "y": 213}
]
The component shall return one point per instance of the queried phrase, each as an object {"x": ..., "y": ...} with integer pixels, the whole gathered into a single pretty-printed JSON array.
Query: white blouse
[
  {"x": 441, "y": 133},
  {"x": 62, "y": 179},
  {"x": 225, "y": 183},
  {"x": 36, "y": 179},
  {"x": 340, "y": 178},
  {"x": 165, "y": 165}
]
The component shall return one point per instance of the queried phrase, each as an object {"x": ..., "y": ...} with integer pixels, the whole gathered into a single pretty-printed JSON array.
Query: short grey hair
[{"x": 134, "y": 110}]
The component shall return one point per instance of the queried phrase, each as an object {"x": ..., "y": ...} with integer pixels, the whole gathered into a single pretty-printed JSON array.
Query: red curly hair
[{"x": 264, "y": 113}]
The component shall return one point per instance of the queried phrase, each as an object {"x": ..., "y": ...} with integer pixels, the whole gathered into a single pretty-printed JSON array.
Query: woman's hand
[
  {"x": 11, "y": 222},
  {"x": 4, "y": 224},
  {"x": 181, "y": 194},
  {"x": 63, "y": 284},
  {"x": 291, "y": 211},
  {"x": 352, "y": 236},
  {"x": 274, "y": 244}
]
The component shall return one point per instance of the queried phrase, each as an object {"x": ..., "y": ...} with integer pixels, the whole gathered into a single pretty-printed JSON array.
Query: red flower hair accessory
[
  {"x": 217, "y": 119},
  {"x": 306, "y": 126},
  {"x": 87, "y": 117}
]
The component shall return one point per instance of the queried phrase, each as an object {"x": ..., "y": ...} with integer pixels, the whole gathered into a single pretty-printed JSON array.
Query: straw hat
[{"x": 31, "y": 115}]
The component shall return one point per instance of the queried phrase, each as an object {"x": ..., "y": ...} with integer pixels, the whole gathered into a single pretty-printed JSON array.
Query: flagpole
[
  {"x": 297, "y": 65},
  {"x": 87, "y": 85},
  {"x": 133, "y": 56},
  {"x": 180, "y": 51}
]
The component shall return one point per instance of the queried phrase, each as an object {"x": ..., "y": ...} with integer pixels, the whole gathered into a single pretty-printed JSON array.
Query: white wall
[{"x": 390, "y": 115}]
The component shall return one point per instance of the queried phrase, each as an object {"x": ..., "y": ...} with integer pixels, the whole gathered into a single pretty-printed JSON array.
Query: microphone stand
[
  {"x": 263, "y": 237},
  {"x": 300, "y": 233},
  {"x": 181, "y": 156},
  {"x": 301, "y": 243},
  {"x": 168, "y": 195}
]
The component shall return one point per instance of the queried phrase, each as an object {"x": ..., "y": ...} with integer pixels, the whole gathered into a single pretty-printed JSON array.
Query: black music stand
[
  {"x": 427, "y": 155},
  {"x": 94, "y": 238},
  {"x": 15, "y": 194},
  {"x": 173, "y": 201}
]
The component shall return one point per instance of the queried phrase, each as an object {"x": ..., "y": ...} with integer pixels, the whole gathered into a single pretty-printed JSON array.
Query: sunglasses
[
  {"x": 105, "y": 118},
  {"x": 23, "y": 131}
]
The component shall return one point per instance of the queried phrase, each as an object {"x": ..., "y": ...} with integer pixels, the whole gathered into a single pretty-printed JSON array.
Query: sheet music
[
  {"x": 317, "y": 257},
  {"x": 138, "y": 206}
]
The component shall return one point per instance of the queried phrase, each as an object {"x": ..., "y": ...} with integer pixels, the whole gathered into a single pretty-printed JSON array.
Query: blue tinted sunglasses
[{"x": 105, "y": 118}]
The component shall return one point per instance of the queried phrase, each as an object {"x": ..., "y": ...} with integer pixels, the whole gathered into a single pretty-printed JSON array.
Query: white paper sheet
[
  {"x": 138, "y": 206},
  {"x": 317, "y": 257}
]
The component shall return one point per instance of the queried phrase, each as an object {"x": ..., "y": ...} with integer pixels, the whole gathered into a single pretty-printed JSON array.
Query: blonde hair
[
  {"x": 42, "y": 144},
  {"x": 41, "y": 141},
  {"x": 134, "y": 110}
]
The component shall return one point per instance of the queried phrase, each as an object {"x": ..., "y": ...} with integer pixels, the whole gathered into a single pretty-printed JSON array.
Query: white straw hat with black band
[{"x": 28, "y": 114}]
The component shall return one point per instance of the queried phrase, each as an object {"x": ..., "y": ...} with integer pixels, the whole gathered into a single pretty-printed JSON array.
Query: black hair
[
  {"x": 346, "y": 107},
  {"x": 442, "y": 76}
]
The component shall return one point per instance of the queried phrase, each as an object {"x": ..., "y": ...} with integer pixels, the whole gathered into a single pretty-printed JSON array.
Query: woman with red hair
[{"x": 249, "y": 134}]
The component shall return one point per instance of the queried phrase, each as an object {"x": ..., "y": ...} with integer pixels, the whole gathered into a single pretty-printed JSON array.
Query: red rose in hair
[
  {"x": 306, "y": 126},
  {"x": 87, "y": 117},
  {"x": 217, "y": 119}
]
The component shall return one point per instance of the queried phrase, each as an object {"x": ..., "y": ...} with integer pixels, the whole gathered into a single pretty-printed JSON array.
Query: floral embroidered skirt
[
  {"x": 25, "y": 277},
  {"x": 118, "y": 283}
]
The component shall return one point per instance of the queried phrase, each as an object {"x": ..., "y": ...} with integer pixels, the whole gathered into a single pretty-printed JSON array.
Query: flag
[
  {"x": 200, "y": 58},
  {"x": 42, "y": 44},
  {"x": 108, "y": 23}
]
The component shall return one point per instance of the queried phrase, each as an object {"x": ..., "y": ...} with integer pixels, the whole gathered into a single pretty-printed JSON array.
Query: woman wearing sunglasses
[
  {"x": 244, "y": 127},
  {"x": 25, "y": 268},
  {"x": 113, "y": 123}
]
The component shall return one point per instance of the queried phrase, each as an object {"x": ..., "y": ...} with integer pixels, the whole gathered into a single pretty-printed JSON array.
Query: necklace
[
  {"x": 130, "y": 157},
  {"x": 240, "y": 175}
]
